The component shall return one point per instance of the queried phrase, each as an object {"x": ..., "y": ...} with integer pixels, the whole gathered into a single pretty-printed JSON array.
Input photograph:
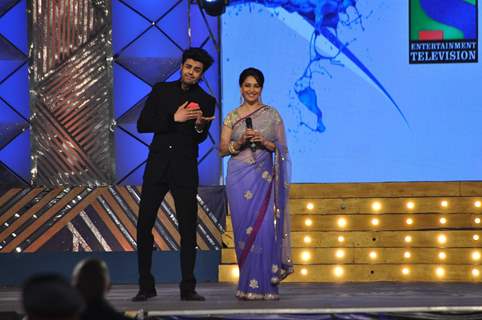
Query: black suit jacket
[{"x": 174, "y": 148}]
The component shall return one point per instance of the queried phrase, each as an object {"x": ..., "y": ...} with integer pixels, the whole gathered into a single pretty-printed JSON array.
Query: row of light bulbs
[
  {"x": 340, "y": 253},
  {"x": 441, "y": 238},
  {"x": 377, "y": 206},
  {"x": 339, "y": 272},
  {"x": 342, "y": 222}
]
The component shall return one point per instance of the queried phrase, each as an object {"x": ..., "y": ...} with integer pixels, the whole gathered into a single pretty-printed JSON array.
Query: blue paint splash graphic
[{"x": 325, "y": 16}]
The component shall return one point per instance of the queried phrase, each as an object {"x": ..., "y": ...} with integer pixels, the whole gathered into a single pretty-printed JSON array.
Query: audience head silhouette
[
  {"x": 50, "y": 296},
  {"x": 91, "y": 278}
]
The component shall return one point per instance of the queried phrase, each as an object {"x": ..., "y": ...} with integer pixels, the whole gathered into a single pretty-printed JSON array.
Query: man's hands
[{"x": 182, "y": 114}]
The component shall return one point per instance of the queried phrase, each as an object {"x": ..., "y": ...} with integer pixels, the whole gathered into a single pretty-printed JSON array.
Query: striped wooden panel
[
  {"x": 308, "y": 256},
  {"x": 369, "y": 273},
  {"x": 387, "y": 205},
  {"x": 388, "y": 222},
  {"x": 387, "y": 226},
  {"x": 94, "y": 219},
  {"x": 371, "y": 190},
  {"x": 379, "y": 239}
]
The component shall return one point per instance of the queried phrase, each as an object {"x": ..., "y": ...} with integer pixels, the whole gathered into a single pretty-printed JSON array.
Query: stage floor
[{"x": 296, "y": 298}]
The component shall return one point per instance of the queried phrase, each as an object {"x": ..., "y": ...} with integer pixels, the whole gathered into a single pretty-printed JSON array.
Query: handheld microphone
[{"x": 249, "y": 125}]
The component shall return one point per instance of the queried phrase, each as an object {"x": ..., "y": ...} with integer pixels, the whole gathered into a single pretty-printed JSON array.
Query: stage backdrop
[
  {"x": 355, "y": 108},
  {"x": 92, "y": 65}
]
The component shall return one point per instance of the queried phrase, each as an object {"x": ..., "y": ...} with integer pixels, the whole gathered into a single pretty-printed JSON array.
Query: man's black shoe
[
  {"x": 192, "y": 296},
  {"x": 144, "y": 295}
]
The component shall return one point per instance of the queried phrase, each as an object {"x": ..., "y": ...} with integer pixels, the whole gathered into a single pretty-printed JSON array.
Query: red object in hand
[{"x": 193, "y": 106}]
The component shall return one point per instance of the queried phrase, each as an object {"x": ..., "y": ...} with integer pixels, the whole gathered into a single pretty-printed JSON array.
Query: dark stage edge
[{"x": 300, "y": 300}]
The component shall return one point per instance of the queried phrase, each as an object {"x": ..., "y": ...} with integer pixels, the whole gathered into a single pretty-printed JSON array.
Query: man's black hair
[{"x": 198, "y": 54}]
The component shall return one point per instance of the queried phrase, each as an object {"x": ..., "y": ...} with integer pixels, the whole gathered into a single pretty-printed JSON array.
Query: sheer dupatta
[{"x": 281, "y": 219}]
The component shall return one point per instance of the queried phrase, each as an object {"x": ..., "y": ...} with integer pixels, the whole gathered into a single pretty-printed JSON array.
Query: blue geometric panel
[
  {"x": 16, "y": 17},
  {"x": 8, "y": 179},
  {"x": 127, "y": 24},
  {"x": 175, "y": 24},
  {"x": 212, "y": 74},
  {"x": 128, "y": 122},
  {"x": 128, "y": 90},
  {"x": 10, "y": 58},
  {"x": 5, "y": 5},
  {"x": 153, "y": 57},
  {"x": 135, "y": 177},
  {"x": 11, "y": 124},
  {"x": 130, "y": 154},
  {"x": 198, "y": 28},
  {"x": 208, "y": 165},
  {"x": 15, "y": 91},
  {"x": 16, "y": 155},
  {"x": 151, "y": 9},
  {"x": 176, "y": 75}
]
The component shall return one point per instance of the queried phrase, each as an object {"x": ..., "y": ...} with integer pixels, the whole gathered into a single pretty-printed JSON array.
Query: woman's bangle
[{"x": 232, "y": 149}]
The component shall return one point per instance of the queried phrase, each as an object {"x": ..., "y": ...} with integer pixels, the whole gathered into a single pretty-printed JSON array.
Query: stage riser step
[
  {"x": 368, "y": 273},
  {"x": 380, "y": 239},
  {"x": 317, "y": 206},
  {"x": 310, "y": 256},
  {"x": 391, "y": 189},
  {"x": 361, "y": 222}
]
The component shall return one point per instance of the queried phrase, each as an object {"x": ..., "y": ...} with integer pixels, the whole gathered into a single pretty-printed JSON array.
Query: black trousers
[{"x": 186, "y": 210}]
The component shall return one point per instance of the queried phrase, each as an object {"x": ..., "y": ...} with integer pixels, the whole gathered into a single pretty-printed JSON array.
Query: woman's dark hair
[
  {"x": 198, "y": 54},
  {"x": 253, "y": 72}
]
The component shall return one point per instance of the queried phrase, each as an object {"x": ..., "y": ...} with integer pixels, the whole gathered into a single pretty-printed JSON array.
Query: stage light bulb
[
  {"x": 443, "y": 220},
  {"x": 477, "y": 220},
  {"x": 304, "y": 272},
  {"x": 18, "y": 249},
  {"x": 405, "y": 271},
  {"x": 338, "y": 271},
  {"x": 476, "y": 255},
  {"x": 407, "y": 254},
  {"x": 341, "y": 239},
  {"x": 310, "y": 206},
  {"x": 375, "y": 222},
  {"x": 477, "y": 204},
  {"x": 373, "y": 255},
  {"x": 410, "y": 205},
  {"x": 475, "y": 273},
  {"x": 442, "y": 255},
  {"x": 376, "y": 206},
  {"x": 235, "y": 272},
  {"x": 340, "y": 253},
  {"x": 408, "y": 239},
  {"x": 442, "y": 239},
  {"x": 475, "y": 237},
  {"x": 342, "y": 222},
  {"x": 306, "y": 256},
  {"x": 307, "y": 239},
  {"x": 308, "y": 222},
  {"x": 440, "y": 272},
  {"x": 444, "y": 203},
  {"x": 409, "y": 221}
]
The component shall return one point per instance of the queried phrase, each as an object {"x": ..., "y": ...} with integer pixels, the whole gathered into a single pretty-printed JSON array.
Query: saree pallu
[{"x": 257, "y": 191}]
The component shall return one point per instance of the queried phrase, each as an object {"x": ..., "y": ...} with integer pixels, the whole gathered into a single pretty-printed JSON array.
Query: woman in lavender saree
[{"x": 257, "y": 189}]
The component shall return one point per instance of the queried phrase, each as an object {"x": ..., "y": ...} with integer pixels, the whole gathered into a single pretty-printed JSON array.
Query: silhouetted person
[
  {"x": 91, "y": 278},
  {"x": 50, "y": 297}
]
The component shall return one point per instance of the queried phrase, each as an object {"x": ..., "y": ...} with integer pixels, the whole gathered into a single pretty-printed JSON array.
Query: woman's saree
[{"x": 257, "y": 189}]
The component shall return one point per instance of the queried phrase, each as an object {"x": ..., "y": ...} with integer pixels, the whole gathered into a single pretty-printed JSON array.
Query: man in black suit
[{"x": 179, "y": 114}]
